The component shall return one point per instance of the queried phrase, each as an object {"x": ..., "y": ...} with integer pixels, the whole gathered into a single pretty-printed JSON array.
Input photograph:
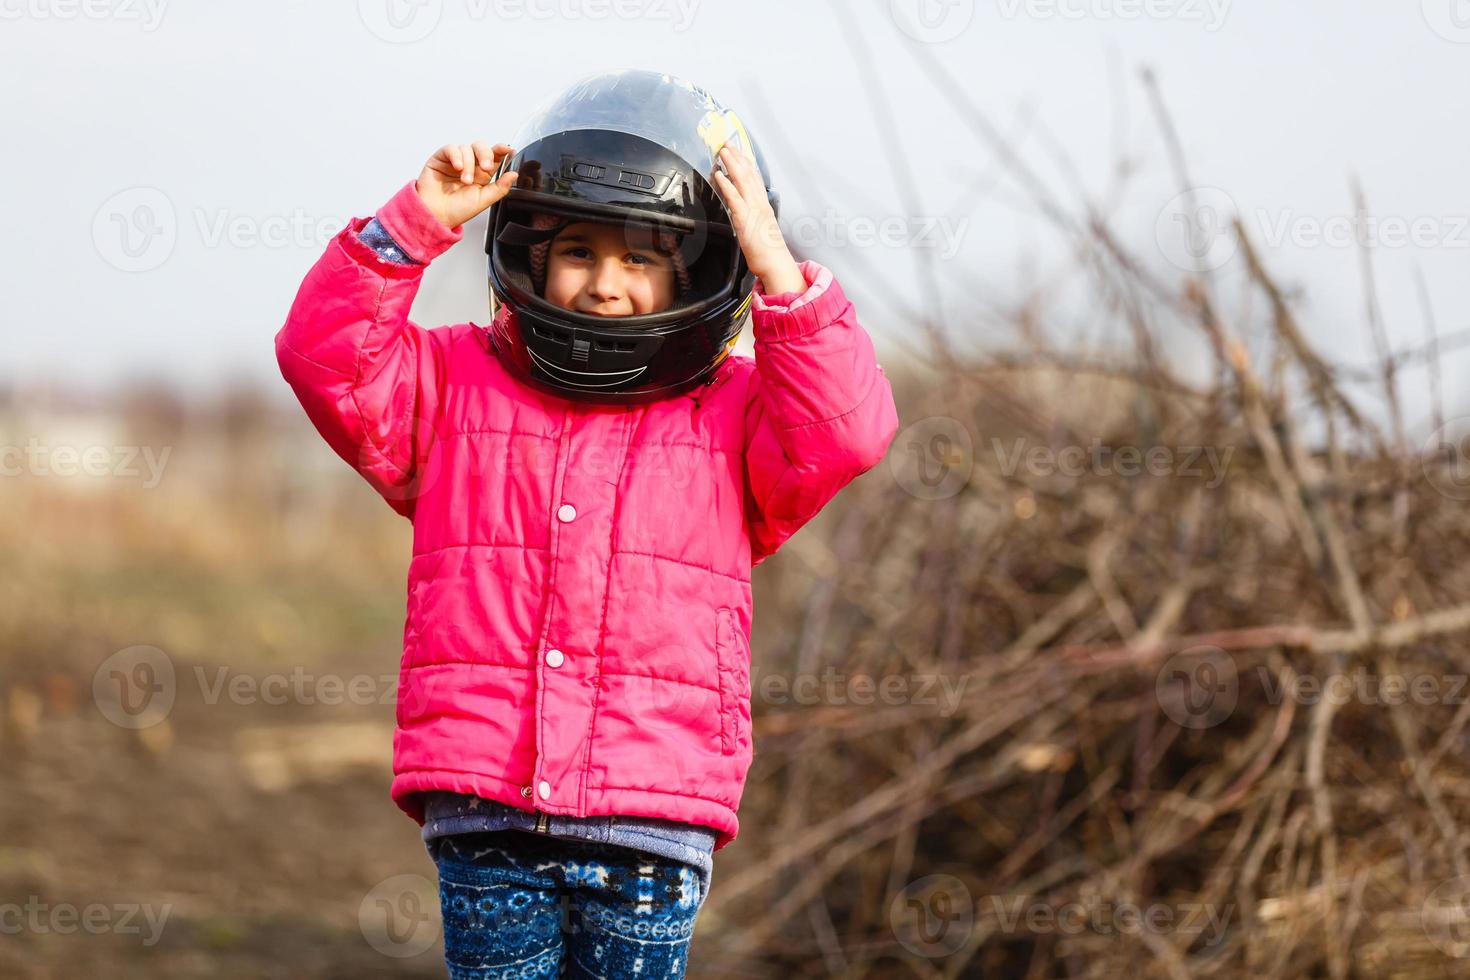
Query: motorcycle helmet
[{"x": 636, "y": 149}]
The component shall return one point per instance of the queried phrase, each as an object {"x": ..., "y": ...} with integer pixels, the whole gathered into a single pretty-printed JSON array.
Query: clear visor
[{"x": 677, "y": 115}]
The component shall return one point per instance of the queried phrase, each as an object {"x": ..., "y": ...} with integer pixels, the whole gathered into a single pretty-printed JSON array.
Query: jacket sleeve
[
  {"x": 819, "y": 410},
  {"x": 369, "y": 379}
]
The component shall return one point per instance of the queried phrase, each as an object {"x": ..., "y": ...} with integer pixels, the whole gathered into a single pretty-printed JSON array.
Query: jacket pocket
[{"x": 731, "y": 655}]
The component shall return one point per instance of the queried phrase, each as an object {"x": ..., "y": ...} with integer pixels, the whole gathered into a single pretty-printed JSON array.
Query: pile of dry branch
[{"x": 1208, "y": 648}]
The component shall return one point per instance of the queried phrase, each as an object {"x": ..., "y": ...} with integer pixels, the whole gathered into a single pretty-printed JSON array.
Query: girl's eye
[
  {"x": 577, "y": 252},
  {"x": 653, "y": 261}
]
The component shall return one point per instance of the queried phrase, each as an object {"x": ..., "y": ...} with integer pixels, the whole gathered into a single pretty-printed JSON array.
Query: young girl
[{"x": 591, "y": 479}]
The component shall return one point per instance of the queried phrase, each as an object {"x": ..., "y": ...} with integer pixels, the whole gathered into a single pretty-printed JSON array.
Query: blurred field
[{"x": 251, "y": 554}]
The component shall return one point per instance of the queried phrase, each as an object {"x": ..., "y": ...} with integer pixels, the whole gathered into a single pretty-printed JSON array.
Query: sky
[{"x": 173, "y": 167}]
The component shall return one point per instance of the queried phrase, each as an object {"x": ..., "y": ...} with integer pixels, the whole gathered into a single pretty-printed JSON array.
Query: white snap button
[
  {"x": 544, "y": 789},
  {"x": 554, "y": 658},
  {"x": 566, "y": 512}
]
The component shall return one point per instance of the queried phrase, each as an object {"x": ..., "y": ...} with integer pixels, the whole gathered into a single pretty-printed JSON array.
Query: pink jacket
[{"x": 579, "y": 604}]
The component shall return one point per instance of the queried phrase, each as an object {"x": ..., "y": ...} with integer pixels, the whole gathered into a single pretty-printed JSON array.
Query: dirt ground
[{"x": 245, "y": 829}]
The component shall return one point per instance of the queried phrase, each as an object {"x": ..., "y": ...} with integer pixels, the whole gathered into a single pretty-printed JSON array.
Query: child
[{"x": 591, "y": 480}]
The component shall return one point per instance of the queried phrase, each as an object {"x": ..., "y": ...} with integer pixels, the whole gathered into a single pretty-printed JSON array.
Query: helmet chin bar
[
  {"x": 603, "y": 366},
  {"x": 578, "y": 378},
  {"x": 579, "y": 354}
]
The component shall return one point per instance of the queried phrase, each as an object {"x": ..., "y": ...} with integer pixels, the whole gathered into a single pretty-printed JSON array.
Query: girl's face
[{"x": 593, "y": 269}]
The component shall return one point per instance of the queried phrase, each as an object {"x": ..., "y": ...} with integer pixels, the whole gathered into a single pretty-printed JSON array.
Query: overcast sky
[{"x": 173, "y": 168}]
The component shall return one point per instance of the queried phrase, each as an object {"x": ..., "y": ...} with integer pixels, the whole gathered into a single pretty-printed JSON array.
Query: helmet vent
[{"x": 655, "y": 183}]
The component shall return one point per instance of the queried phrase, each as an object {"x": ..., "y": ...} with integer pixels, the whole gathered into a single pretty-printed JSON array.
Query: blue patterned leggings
[{"x": 517, "y": 904}]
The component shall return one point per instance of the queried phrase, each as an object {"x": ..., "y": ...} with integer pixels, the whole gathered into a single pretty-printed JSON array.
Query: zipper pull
[{"x": 543, "y": 823}]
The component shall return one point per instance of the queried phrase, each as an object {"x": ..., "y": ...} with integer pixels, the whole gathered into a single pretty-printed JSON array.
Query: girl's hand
[
  {"x": 755, "y": 223},
  {"x": 458, "y": 181}
]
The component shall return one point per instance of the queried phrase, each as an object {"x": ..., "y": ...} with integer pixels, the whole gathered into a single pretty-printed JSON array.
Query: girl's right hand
[{"x": 458, "y": 181}]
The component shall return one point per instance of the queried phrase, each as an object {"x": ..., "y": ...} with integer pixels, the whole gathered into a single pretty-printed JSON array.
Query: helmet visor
[{"x": 677, "y": 115}]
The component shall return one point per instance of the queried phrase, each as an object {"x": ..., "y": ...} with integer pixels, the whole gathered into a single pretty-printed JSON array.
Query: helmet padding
[{"x": 667, "y": 243}]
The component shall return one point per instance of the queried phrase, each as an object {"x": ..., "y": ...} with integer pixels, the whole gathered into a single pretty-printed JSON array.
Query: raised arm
[
  {"x": 369, "y": 379},
  {"x": 820, "y": 411}
]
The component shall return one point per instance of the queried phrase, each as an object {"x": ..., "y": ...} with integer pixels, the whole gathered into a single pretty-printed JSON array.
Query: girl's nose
[{"x": 607, "y": 281}]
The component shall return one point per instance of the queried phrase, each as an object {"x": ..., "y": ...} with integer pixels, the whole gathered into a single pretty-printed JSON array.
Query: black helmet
[{"x": 635, "y": 148}]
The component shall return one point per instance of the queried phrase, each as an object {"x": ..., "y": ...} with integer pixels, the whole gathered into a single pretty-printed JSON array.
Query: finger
[
  {"x": 737, "y": 164},
  {"x": 448, "y": 163},
  {"x": 489, "y": 159},
  {"x": 491, "y": 155},
  {"x": 443, "y": 162},
  {"x": 749, "y": 179},
  {"x": 753, "y": 173},
  {"x": 467, "y": 169},
  {"x": 727, "y": 189},
  {"x": 733, "y": 201},
  {"x": 495, "y": 188},
  {"x": 485, "y": 156},
  {"x": 735, "y": 154},
  {"x": 502, "y": 186}
]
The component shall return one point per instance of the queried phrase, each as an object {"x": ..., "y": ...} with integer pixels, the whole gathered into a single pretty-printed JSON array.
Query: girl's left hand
[{"x": 755, "y": 223}]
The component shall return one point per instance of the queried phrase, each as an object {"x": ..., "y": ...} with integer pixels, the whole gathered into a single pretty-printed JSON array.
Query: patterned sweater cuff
[
  {"x": 376, "y": 237},
  {"x": 414, "y": 228}
]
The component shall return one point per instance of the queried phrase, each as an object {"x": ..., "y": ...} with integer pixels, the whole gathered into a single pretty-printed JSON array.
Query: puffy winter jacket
[{"x": 579, "y": 606}]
